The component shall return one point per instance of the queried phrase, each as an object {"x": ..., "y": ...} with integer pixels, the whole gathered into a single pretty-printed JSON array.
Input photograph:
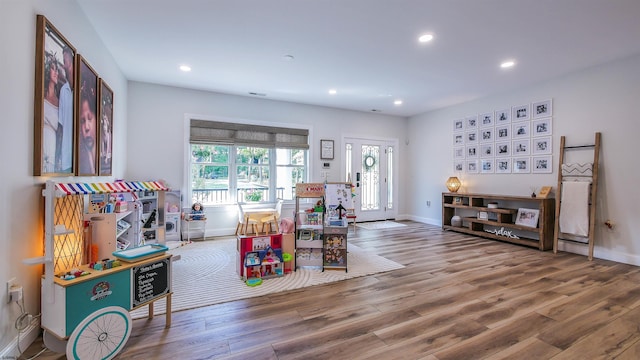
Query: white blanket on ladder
[{"x": 574, "y": 210}]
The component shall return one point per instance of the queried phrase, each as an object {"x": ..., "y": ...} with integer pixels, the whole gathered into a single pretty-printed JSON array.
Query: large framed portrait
[
  {"x": 54, "y": 102},
  {"x": 105, "y": 131},
  {"x": 87, "y": 134}
]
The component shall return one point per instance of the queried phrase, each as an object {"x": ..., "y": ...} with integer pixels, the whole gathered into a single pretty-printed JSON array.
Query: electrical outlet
[{"x": 10, "y": 284}]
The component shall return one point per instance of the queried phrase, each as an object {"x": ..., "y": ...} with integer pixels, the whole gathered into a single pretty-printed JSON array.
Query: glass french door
[{"x": 369, "y": 166}]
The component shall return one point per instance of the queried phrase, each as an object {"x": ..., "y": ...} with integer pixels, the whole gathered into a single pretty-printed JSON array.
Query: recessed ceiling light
[
  {"x": 397, "y": 102},
  {"x": 257, "y": 93},
  {"x": 288, "y": 57},
  {"x": 425, "y": 38},
  {"x": 333, "y": 91},
  {"x": 508, "y": 64},
  {"x": 185, "y": 68}
]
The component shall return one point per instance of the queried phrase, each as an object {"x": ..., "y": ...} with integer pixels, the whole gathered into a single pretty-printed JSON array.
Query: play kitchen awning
[{"x": 63, "y": 189}]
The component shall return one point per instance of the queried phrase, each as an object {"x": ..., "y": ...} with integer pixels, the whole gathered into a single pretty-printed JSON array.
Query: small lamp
[{"x": 453, "y": 184}]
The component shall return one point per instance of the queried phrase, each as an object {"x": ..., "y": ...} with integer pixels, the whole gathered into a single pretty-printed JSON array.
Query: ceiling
[{"x": 367, "y": 50}]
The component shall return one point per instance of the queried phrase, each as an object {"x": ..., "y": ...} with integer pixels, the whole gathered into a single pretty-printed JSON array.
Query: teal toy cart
[{"x": 88, "y": 316}]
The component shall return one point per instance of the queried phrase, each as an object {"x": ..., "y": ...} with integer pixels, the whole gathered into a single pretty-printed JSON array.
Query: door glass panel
[
  {"x": 390, "y": 177},
  {"x": 347, "y": 160},
  {"x": 370, "y": 187}
]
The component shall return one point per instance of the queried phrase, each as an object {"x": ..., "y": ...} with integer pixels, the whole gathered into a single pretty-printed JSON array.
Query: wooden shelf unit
[{"x": 540, "y": 237}]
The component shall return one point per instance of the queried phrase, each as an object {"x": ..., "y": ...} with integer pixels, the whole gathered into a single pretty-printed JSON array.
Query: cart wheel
[{"x": 101, "y": 335}]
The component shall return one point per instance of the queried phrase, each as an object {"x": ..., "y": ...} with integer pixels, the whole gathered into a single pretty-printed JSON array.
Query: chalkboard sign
[{"x": 150, "y": 281}]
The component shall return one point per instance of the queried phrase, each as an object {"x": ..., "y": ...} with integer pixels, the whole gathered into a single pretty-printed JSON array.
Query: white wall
[
  {"x": 598, "y": 99},
  {"x": 21, "y": 220},
  {"x": 157, "y": 136}
]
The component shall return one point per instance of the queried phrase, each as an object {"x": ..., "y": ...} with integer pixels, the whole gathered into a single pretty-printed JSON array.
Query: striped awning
[{"x": 104, "y": 188}]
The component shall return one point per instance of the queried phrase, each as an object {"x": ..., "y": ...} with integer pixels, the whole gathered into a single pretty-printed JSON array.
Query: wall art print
[{"x": 54, "y": 102}]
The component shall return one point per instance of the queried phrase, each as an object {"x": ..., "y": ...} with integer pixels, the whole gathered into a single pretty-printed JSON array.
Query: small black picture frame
[{"x": 326, "y": 149}]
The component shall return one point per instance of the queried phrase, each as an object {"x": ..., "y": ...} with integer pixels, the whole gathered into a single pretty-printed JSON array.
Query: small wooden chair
[
  {"x": 244, "y": 221},
  {"x": 272, "y": 220},
  {"x": 351, "y": 218}
]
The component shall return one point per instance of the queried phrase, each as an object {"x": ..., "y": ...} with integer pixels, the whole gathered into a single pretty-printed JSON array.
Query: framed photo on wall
[
  {"x": 541, "y": 145},
  {"x": 542, "y": 127},
  {"x": 486, "y": 119},
  {"x": 520, "y": 113},
  {"x": 503, "y": 165},
  {"x": 520, "y": 147},
  {"x": 54, "y": 102},
  {"x": 326, "y": 149},
  {"x": 520, "y": 165},
  {"x": 458, "y": 125},
  {"x": 87, "y": 134},
  {"x": 542, "y": 109},
  {"x": 521, "y": 130},
  {"x": 472, "y": 166},
  {"x": 105, "y": 131},
  {"x": 503, "y": 132},
  {"x": 471, "y": 122},
  {"x": 502, "y": 117},
  {"x": 458, "y": 139},
  {"x": 458, "y": 166},
  {"x": 503, "y": 148},
  {"x": 486, "y": 166},
  {"x": 542, "y": 164},
  {"x": 458, "y": 152}
]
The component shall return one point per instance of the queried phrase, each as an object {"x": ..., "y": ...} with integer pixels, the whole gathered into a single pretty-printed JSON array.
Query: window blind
[{"x": 218, "y": 132}]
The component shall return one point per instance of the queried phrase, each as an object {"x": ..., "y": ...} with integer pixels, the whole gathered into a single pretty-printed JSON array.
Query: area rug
[
  {"x": 376, "y": 225},
  {"x": 206, "y": 274}
]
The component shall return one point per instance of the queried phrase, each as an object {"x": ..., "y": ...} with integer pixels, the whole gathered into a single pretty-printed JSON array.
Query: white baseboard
[
  {"x": 599, "y": 253},
  {"x": 436, "y": 222},
  {"x": 30, "y": 334}
]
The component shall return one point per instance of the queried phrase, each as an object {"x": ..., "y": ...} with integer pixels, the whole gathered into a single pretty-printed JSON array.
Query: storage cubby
[{"x": 500, "y": 223}]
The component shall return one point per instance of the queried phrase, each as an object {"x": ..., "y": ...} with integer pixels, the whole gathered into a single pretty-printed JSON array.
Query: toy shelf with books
[
  {"x": 335, "y": 247},
  {"x": 309, "y": 225},
  {"x": 338, "y": 199}
]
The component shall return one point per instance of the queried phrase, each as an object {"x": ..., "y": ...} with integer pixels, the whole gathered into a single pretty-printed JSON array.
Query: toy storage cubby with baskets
[
  {"x": 335, "y": 248},
  {"x": 494, "y": 217}
]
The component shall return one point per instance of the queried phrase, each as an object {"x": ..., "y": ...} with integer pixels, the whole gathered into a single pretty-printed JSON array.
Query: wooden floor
[{"x": 459, "y": 297}]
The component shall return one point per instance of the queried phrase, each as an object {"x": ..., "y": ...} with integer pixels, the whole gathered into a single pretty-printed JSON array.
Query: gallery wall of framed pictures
[
  {"x": 510, "y": 140},
  {"x": 73, "y": 110}
]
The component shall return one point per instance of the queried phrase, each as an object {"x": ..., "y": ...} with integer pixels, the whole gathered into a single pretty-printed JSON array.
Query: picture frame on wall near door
[
  {"x": 326, "y": 149},
  {"x": 54, "y": 102}
]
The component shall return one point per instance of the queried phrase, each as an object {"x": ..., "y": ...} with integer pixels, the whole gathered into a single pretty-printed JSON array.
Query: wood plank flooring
[{"x": 459, "y": 297}]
